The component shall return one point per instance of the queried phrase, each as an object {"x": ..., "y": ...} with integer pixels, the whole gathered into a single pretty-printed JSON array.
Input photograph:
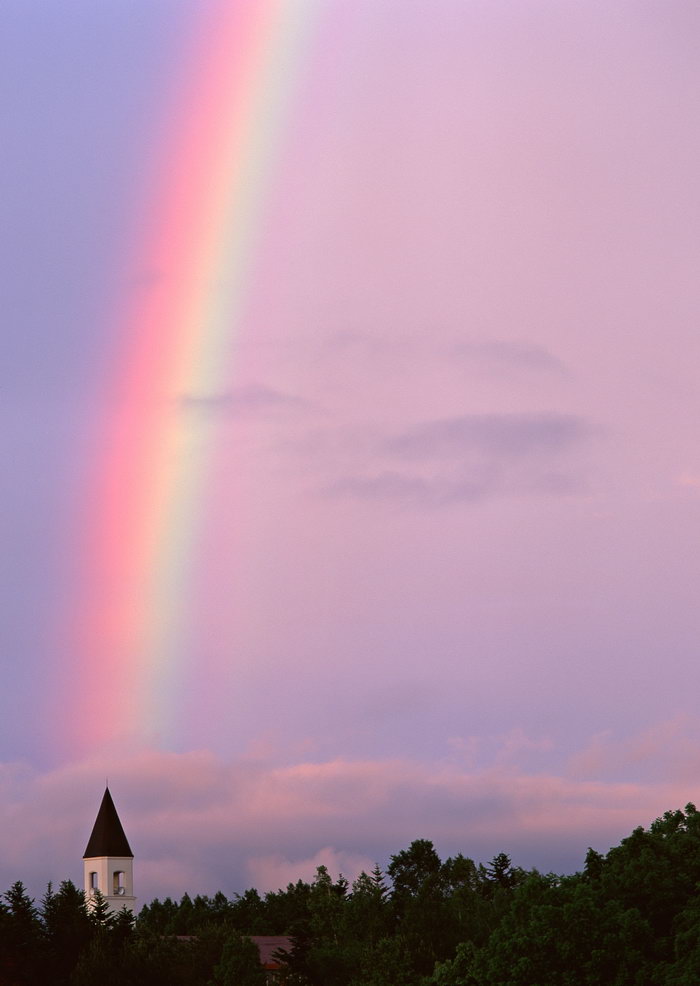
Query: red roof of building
[{"x": 268, "y": 945}]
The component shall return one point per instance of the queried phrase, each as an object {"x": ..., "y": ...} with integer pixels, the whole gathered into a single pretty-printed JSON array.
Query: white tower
[{"x": 108, "y": 860}]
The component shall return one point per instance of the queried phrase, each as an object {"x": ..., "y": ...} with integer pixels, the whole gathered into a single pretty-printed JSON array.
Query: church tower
[{"x": 108, "y": 860}]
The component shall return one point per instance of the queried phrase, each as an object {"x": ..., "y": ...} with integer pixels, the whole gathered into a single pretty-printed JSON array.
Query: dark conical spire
[{"x": 107, "y": 837}]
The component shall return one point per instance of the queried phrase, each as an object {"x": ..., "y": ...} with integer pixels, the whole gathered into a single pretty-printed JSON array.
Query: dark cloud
[
  {"x": 381, "y": 486},
  {"x": 521, "y": 355},
  {"x": 257, "y": 399},
  {"x": 498, "y": 355},
  {"x": 472, "y": 458},
  {"x": 443, "y": 491},
  {"x": 503, "y": 436},
  {"x": 411, "y": 489}
]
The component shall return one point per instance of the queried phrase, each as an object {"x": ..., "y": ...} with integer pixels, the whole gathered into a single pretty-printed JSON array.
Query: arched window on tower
[
  {"x": 92, "y": 882},
  {"x": 118, "y": 883}
]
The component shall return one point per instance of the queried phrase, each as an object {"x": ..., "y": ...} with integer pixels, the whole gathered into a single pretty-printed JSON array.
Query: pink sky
[{"x": 447, "y": 576}]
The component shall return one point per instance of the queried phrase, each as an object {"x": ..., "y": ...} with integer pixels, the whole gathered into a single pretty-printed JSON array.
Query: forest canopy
[{"x": 630, "y": 917}]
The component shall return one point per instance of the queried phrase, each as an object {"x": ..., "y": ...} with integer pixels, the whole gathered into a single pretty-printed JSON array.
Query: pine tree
[
  {"x": 67, "y": 926},
  {"x": 21, "y": 949}
]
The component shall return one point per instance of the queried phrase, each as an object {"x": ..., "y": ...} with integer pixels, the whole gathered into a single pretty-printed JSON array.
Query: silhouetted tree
[
  {"x": 21, "y": 952},
  {"x": 68, "y": 928},
  {"x": 240, "y": 964}
]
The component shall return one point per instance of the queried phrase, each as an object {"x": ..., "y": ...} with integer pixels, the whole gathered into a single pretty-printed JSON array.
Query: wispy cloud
[
  {"x": 381, "y": 486},
  {"x": 502, "y": 436},
  {"x": 276, "y": 870},
  {"x": 470, "y": 458},
  {"x": 252, "y": 400},
  {"x": 667, "y": 749},
  {"x": 499, "y": 354},
  {"x": 504, "y": 354}
]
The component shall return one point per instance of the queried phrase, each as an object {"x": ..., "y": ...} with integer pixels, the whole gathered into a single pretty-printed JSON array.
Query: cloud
[
  {"x": 385, "y": 485},
  {"x": 198, "y": 823},
  {"x": 503, "y": 354},
  {"x": 275, "y": 871},
  {"x": 688, "y": 481},
  {"x": 442, "y": 491},
  {"x": 470, "y": 458},
  {"x": 502, "y": 436},
  {"x": 255, "y": 399},
  {"x": 498, "y": 354},
  {"x": 666, "y": 750}
]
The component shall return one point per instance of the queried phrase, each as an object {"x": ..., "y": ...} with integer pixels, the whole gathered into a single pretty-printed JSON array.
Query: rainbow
[{"x": 179, "y": 347}]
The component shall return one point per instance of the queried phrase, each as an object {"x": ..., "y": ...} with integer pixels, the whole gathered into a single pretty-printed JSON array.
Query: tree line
[{"x": 628, "y": 918}]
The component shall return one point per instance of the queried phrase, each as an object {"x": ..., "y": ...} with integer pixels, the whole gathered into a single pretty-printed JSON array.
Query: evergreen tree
[
  {"x": 67, "y": 926},
  {"x": 101, "y": 917},
  {"x": 21, "y": 951},
  {"x": 367, "y": 911},
  {"x": 122, "y": 930}
]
